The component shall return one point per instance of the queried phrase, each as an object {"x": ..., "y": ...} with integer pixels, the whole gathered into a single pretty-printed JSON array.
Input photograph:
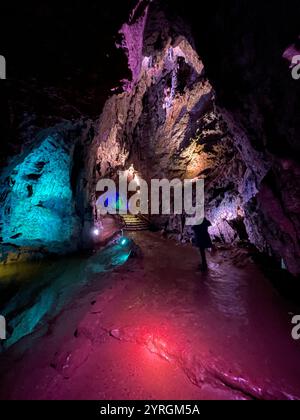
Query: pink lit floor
[{"x": 157, "y": 329}]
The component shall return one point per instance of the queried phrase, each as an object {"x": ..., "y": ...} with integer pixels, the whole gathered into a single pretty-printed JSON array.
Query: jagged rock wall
[
  {"x": 43, "y": 207},
  {"x": 59, "y": 74},
  {"x": 248, "y": 62},
  {"x": 167, "y": 122},
  {"x": 229, "y": 116}
]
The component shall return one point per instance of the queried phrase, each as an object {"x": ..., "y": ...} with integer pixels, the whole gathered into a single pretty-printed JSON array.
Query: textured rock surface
[
  {"x": 55, "y": 82},
  {"x": 43, "y": 207},
  {"x": 168, "y": 123},
  {"x": 209, "y": 95}
]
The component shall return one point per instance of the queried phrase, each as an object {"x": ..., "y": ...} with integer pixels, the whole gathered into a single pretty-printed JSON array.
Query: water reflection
[
  {"x": 38, "y": 291},
  {"x": 227, "y": 293}
]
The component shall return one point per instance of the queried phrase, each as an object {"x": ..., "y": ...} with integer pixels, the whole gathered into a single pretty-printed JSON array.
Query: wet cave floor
[{"x": 155, "y": 328}]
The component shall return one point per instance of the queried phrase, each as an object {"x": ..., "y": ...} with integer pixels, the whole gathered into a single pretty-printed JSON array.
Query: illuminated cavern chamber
[
  {"x": 168, "y": 122},
  {"x": 166, "y": 119}
]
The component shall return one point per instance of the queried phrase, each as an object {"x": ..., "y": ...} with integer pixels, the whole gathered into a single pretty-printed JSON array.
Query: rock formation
[
  {"x": 168, "y": 123},
  {"x": 194, "y": 106}
]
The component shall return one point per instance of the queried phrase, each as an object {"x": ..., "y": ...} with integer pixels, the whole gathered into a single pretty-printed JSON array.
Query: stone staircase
[{"x": 133, "y": 222}]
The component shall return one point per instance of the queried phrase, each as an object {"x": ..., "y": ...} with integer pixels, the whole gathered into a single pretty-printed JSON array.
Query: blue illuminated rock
[{"x": 38, "y": 213}]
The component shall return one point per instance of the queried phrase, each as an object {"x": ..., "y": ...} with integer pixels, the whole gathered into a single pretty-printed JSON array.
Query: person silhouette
[{"x": 202, "y": 241}]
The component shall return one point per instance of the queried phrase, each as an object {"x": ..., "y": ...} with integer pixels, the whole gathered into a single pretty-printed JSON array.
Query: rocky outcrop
[
  {"x": 59, "y": 75},
  {"x": 168, "y": 122},
  {"x": 43, "y": 203},
  {"x": 206, "y": 98}
]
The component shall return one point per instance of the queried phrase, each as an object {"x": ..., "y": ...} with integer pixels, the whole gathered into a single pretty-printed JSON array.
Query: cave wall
[
  {"x": 172, "y": 119},
  {"x": 43, "y": 204},
  {"x": 61, "y": 64},
  {"x": 166, "y": 122},
  {"x": 206, "y": 94},
  {"x": 248, "y": 61}
]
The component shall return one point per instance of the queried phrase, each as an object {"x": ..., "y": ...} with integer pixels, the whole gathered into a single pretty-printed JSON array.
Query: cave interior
[{"x": 161, "y": 89}]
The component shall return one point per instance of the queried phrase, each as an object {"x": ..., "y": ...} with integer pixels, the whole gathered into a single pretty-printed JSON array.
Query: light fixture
[{"x": 123, "y": 241}]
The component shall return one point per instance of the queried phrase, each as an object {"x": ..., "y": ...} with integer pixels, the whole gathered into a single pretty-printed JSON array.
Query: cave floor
[{"x": 155, "y": 328}]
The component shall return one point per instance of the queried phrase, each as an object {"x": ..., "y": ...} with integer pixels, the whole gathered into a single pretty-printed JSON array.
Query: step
[
  {"x": 133, "y": 222},
  {"x": 136, "y": 224},
  {"x": 129, "y": 229}
]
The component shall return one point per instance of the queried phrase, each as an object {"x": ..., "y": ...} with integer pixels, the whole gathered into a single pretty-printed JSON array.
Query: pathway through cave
[{"x": 155, "y": 328}]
